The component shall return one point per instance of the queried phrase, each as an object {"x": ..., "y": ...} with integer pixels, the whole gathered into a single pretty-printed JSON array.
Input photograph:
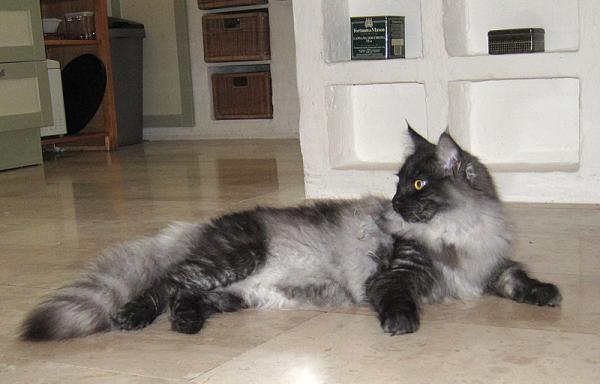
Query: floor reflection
[
  {"x": 236, "y": 173},
  {"x": 77, "y": 197}
]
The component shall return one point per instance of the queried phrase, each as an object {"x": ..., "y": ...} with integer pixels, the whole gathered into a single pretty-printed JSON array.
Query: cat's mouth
[{"x": 412, "y": 213}]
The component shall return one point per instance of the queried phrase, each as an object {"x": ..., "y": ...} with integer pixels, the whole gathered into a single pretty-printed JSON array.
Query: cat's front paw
[
  {"x": 133, "y": 316},
  {"x": 188, "y": 321},
  {"x": 543, "y": 294},
  {"x": 399, "y": 322}
]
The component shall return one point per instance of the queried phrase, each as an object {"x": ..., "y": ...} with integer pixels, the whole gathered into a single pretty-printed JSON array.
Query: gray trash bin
[{"x": 126, "y": 45}]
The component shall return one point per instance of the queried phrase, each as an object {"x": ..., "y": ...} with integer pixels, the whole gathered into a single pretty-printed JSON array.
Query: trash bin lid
[
  {"x": 118, "y": 27},
  {"x": 116, "y": 22}
]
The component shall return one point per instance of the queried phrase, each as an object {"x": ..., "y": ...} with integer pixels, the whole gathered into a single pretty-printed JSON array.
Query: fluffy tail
[{"x": 118, "y": 276}]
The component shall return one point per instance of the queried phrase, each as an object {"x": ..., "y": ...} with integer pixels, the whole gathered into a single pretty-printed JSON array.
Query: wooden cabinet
[
  {"x": 101, "y": 132},
  {"x": 24, "y": 95},
  {"x": 21, "y": 37},
  {"x": 24, "y": 90}
]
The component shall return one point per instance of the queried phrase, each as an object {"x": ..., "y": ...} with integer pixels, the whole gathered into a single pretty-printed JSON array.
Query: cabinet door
[
  {"x": 24, "y": 108},
  {"x": 21, "y": 36},
  {"x": 24, "y": 96},
  {"x": 20, "y": 148}
]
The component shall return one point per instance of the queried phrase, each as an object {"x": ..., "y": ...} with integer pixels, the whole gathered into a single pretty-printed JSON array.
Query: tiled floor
[{"x": 53, "y": 219}]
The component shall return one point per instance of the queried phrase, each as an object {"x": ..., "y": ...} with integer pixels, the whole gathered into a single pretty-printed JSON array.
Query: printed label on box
[{"x": 377, "y": 37}]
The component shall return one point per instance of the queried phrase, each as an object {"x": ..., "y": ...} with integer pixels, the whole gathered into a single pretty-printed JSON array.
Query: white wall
[
  {"x": 283, "y": 72},
  {"x": 161, "y": 65},
  {"x": 533, "y": 118}
]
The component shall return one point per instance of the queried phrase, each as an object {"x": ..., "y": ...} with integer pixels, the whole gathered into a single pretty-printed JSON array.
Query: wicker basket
[
  {"x": 242, "y": 95},
  {"x": 213, "y": 4},
  {"x": 236, "y": 37}
]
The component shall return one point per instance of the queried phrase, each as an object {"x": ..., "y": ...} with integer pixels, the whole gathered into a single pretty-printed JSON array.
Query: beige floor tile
[
  {"x": 540, "y": 218},
  {"x": 24, "y": 371},
  {"x": 589, "y": 247},
  {"x": 14, "y": 304},
  {"x": 338, "y": 348},
  {"x": 56, "y": 218},
  {"x": 159, "y": 352},
  {"x": 244, "y": 329},
  {"x": 364, "y": 310},
  {"x": 579, "y": 311},
  {"x": 43, "y": 273},
  {"x": 549, "y": 253},
  {"x": 177, "y": 357}
]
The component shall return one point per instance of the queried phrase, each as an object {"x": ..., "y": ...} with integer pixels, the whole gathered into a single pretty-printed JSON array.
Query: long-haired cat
[{"x": 444, "y": 235}]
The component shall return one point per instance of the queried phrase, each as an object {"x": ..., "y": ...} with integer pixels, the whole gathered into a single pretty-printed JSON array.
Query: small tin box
[
  {"x": 377, "y": 37},
  {"x": 525, "y": 40}
]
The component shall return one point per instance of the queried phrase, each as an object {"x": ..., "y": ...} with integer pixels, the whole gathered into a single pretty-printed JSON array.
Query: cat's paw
[
  {"x": 543, "y": 294},
  {"x": 187, "y": 321},
  {"x": 399, "y": 323},
  {"x": 187, "y": 314},
  {"x": 134, "y": 316}
]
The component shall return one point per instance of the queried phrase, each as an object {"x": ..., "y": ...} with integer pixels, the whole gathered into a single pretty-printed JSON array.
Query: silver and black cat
[{"x": 445, "y": 234}]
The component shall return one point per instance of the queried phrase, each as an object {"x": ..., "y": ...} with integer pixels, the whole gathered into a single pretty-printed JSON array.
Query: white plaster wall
[
  {"x": 283, "y": 74},
  {"x": 556, "y": 159},
  {"x": 161, "y": 87}
]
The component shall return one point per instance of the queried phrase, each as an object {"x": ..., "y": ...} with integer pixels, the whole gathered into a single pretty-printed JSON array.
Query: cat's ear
[
  {"x": 449, "y": 154},
  {"x": 418, "y": 140}
]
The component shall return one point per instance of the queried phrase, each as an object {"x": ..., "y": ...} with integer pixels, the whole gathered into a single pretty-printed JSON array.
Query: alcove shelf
[
  {"x": 467, "y": 22},
  {"x": 70, "y": 43},
  {"x": 249, "y": 33},
  {"x": 519, "y": 125},
  {"x": 337, "y": 14},
  {"x": 359, "y": 123}
]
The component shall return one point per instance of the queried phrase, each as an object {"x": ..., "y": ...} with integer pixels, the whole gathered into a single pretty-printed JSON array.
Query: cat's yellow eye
[{"x": 420, "y": 184}]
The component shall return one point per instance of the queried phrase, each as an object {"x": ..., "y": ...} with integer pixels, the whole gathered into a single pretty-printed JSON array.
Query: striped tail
[{"x": 118, "y": 276}]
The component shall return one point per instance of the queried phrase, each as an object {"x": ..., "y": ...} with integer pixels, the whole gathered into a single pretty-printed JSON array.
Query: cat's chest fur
[{"x": 466, "y": 245}]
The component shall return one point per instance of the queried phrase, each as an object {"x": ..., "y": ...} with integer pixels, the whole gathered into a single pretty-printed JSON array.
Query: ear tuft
[
  {"x": 448, "y": 154},
  {"x": 418, "y": 140}
]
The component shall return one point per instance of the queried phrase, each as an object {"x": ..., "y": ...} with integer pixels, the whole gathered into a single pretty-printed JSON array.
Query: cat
[{"x": 444, "y": 235}]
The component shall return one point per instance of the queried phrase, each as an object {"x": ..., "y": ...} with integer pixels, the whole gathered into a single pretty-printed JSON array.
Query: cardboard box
[{"x": 377, "y": 37}]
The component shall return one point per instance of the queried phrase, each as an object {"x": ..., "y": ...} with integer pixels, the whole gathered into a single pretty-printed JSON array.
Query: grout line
[{"x": 98, "y": 369}]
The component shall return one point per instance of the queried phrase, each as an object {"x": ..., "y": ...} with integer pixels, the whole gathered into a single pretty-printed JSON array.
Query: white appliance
[{"x": 58, "y": 105}]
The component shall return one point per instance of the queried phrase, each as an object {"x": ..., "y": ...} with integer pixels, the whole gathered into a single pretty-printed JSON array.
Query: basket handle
[
  {"x": 232, "y": 23},
  {"x": 240, "y": 81}
]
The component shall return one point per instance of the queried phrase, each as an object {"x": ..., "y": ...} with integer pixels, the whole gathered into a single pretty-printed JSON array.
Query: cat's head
[{"x": 439, "y": 178}]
